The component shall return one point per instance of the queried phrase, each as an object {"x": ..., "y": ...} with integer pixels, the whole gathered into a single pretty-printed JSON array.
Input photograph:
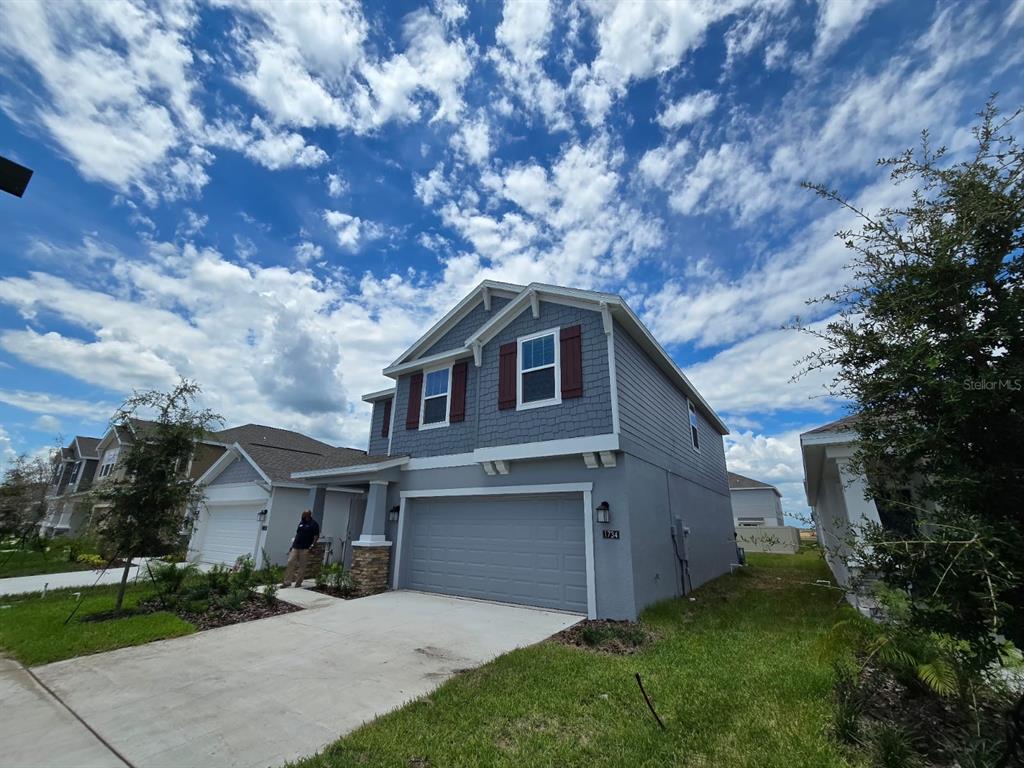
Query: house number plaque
[{"x": 610, "y": 534}]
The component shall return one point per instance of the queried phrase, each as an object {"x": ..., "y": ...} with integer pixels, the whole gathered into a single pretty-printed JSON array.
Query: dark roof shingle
[
  {"x": 839, "y": 425},
  {"x": 741, "y": 481}
]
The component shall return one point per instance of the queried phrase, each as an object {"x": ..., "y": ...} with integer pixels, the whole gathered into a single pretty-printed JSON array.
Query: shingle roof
[
  {"x": 741, "y": 481},
  {"x": 87, "y": 445},
  {"x": 279, "y": 452},
  {"x": 839, "y": 425}
]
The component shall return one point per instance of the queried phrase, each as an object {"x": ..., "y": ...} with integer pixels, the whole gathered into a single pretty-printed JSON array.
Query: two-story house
[
  {"x": 74, "y": 469},
  {"x": 754, "y": 503},
  {"x": 540, "y": 447}
]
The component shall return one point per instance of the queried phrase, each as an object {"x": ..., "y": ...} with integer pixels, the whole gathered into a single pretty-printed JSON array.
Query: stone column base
[
  {"x": 370, "y": 568},
  {"x": 315, "y": 561}
]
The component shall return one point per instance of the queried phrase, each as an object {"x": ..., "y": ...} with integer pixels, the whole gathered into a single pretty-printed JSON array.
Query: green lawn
[
  {"x": 736, "y": 676},
  {"x": 32, "y": 629},
  {"x": 29, "y": 563}
]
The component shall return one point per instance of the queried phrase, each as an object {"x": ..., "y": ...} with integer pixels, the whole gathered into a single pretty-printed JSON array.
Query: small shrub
[
  {"x": 234, "y": 599},
  {"x": 891, "y": 746},
  {"x": 218, "y": 579},
  {"x": 243, "y": 575},
  {"x": 197, "y": 605},
  {"x": 91, "y": 559},
  {"x": 270, "y": 592},
  {"x": 849, "y": 705},
  {"x": 170, "y": 580},
  {"x": 334, "y": 576}
]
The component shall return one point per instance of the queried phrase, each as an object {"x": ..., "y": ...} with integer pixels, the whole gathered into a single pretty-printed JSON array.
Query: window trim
[
  {"x": 691, "y": 417},
  {"x": 448, "y": 401},
  {"x": 557, "y": 365}
]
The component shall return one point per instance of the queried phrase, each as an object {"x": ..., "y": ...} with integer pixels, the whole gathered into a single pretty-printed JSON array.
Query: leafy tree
[
  {"x": 23, "y": 500},
  {"x": 143, "y": 513},
  {"x": 929, "y": 344}
]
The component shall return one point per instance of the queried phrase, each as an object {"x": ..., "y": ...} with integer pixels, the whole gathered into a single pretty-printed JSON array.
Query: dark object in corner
[
  {"x": 647, "y": 698},
  {"x": 13, "y": 177}
]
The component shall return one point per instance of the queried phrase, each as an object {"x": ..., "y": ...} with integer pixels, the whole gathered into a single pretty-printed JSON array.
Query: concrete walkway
[
  {"x": 19, "y": 585},
  {"x": 36, "y": 729},
  {"x": 265, "y": 692}
]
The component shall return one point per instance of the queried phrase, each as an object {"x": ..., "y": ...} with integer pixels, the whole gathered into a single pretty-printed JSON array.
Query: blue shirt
[{"x": 306, "y": 534}]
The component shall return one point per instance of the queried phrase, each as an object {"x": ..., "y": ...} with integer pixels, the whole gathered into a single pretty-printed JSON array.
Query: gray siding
[
  {"x": 238, "y": 471},
  {"x": 378, "y": 446},
  {"x": 455, "y": 438},
  {"x": 577, "y": 417},
  {"x": 757, "y": 502},
  {"x": 456, "y": 336},
  {"x": 654, "y": 422}
]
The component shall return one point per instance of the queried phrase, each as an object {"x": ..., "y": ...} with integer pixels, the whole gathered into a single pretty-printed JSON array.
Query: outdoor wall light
[
  {"x": 604, "y": 512},
  {"x": 393, "y": 514}
]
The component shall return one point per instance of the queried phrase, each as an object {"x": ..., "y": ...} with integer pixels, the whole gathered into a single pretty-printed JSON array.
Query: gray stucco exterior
[{"x": 649, "y": 472}]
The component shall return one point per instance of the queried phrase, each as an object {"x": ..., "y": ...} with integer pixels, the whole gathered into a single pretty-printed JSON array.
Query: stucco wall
[
  {"x": 710, "y": 546},
  {"x": 757, "y": 502},
  {"x": 286, "y": 507}
]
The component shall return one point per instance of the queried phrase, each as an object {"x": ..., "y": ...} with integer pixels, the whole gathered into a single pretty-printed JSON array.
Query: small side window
[{"x": 694, "y": 433}]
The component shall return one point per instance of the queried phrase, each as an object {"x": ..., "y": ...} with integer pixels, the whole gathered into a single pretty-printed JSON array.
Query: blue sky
[{"x": 275, "y": 199}]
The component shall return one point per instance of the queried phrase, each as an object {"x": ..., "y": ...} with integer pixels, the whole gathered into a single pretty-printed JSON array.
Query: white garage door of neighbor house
[
  {"x": 231, "y": 532},
  {"x": 512, "y": 549}
]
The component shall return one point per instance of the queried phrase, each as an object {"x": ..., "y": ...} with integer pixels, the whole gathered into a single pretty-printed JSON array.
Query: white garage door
[
  {"x": 514, "y": 549},
  {"x": 231, "y": 532}
]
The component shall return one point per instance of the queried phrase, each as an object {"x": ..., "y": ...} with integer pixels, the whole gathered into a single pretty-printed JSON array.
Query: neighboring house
[
  {"x": 540, "y": 447},
  {"x": 74, "y": 468},
  {"x": 754, "y": 503},
  {"x": 836, "y": 495},
  {"x": 252, "y": 505}
]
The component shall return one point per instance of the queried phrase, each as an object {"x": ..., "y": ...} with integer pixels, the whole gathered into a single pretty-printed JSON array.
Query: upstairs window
[
  {"x": 436, "y": 396},
  {"x": 539, "y": 370},
  {"x": 694, "y": 434}
]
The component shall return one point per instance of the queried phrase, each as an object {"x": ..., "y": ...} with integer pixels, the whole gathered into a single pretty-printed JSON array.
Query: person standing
[{"x": 298, "y": 555}]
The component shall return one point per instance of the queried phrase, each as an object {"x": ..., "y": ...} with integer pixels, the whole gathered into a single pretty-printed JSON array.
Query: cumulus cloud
[
  {"x": 352, "y": 231},
  {"x": 44, "y": 403},
  {"x": 773, "y": 459},
  {"x": 689, "y": 109}
]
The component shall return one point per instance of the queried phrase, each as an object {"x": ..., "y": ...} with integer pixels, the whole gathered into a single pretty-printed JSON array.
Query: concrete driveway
[{"x": 261, "y": 693}]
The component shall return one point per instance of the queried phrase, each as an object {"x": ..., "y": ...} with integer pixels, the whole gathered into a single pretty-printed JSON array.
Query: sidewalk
[
  {"x": 37, "y": 730},
  {"x": 18, "y": 585}
]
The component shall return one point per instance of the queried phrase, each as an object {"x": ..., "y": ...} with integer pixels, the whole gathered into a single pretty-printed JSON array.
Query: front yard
[
  {"x": 27, "y": 562},
  {"x": 33, "y": 629},
  {"x": 736, "y": 675}
]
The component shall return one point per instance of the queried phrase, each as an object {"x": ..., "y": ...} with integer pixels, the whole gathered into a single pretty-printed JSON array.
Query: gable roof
[
  {"x": 481, "y": 293},
  {"x": 277, "y": 453},
  {"x": 743, "y": 483},
  {"x": 609, "y": 304},
  {"x": 845, "y": 424},
  {"x": 87, "y": 446}
]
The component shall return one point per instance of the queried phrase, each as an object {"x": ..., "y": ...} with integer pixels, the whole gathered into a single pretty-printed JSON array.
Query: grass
[
  {"x": 32, "y": 629},
  {"x": 736, "y": 675},
  {"x": 24, "y": 562}
]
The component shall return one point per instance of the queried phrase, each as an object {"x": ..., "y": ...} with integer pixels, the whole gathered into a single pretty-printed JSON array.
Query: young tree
[
  {"x": 929, "y": 344},
  {"x": 23, "y": 500},
  {"x": 143, "y": 513}
]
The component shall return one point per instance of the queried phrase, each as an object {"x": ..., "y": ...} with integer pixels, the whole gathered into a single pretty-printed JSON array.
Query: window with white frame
[
  {"x": 437, "y": 386},
  {"x": 694, "y": 435},
  {"x": 539, "y": 371},
  {"x": 109, "y": 460}
]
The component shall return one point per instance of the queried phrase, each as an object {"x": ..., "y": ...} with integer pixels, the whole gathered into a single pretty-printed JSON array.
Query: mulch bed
[
  {"x": 606, "y": 636},
  {"x": 253, "y": 608},
  {"x": 333, "y": 592}
]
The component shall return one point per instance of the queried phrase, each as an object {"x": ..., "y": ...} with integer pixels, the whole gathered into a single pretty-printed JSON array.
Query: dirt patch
[
  {"x": 607, "y": 636},
  {"x": 250, "y": 610}
]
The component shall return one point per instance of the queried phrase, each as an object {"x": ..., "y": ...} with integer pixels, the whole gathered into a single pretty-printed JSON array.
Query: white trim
[
  {"x": 380, "y": 394},
  {"x": 535, "y": 305},
  {"x": 613, "y": 379},
  {"x": 372, "y": 543},
  {"x": 828, "y": 438},
  {"x": 588, "y": 548},
  {"x": 485, "y": 293},
  {"x": 379, "y": 482},
  {"x": 424, "y": 397},
  {"x": 358, "y": 469},
  {"x": 556, "y": 365},
  {"x": 264, "y": 475},
  {"x": 217, "y": 467},
  {"x": 398, "y": 543},
  {"x": 441, "y": 462},
  {"x": 568, "y": 445},
  {"x": 497, "y": 490},
  {"x": 434, "y": 361}
]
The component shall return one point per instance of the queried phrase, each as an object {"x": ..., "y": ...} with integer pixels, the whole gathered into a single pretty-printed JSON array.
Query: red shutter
[
  {"x": 458, "y": 410},
  {"x": 412, "y": 415},
  {"x": 572, "y": 362},
  {"x": 385, "y": 428},
  {"x": 507, "y": 376}
]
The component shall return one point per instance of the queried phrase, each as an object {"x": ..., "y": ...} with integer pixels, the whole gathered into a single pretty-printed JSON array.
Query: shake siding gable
[
  {"x": 456, "y": 336},
  {"x": 457, "y": 437},
  {"x": 654, "y": 420},
  {"x": 378, "y": 444}
]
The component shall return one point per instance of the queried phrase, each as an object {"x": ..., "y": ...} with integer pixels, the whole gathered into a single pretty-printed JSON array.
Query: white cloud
[
  {"x": 838, "y": 20},
  {"x": 773, "y": 459},
  {"x": 41, "y": 402},
  {"x": 352, "y": 231},
  {"x": 473, "y": 139},
  {"x": 336, "y": 185},
  {"x": 47, "y": 423},
  {"x": 192, "y": 224},
  {"x": 306, "y": 252},
  {"x": 689, "y": 109}
]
